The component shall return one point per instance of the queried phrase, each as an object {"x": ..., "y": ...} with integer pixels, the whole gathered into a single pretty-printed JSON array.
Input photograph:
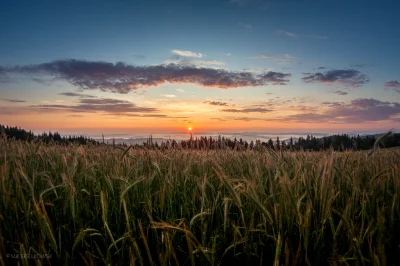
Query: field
[{"x": 104, "y": 205}]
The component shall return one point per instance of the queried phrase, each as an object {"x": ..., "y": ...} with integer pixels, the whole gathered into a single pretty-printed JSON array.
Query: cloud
[
  {"x": 350, "y": 77},
  {"x": 276, "y": 78},
  {"x": 359, "y": 65},
  {"x": 42, "y": 81},
  {"x": 168, "y": 95},
  {"x": 291, "y": 34},
  {"x": 247, "y": 119},
  {"x": 280, "y": 59},
  {"x": 216, "y": 103},
  {"x": 13, "y": 110},
  {"x": 212, "y": 64},
  {"x": 145, "y": 115},
  {"x": 103, "y": 101},
  {"x": 218, "y": 118},
  {"x": 123, "y": 78},
  {"x": 187, "y": 53},
  {"x": 333, "y": 104},
  {"x": 341, "y": 92},
  {"x": 317, "y": 37},
  {"x": 12, "y": 100},
  {"x": 248, "y": 110},
  {"x": 357, "y": 111},
  {"x": 287, "y": 33},
  {"x": 366, "y": 103},
  {"x": 73, "y": 94},
  {"x": 273, "y": 56},
  {"x": 97, "y": 105},
  {"x": 394, "y": 84},
  {"x": 257, "y": 70}
]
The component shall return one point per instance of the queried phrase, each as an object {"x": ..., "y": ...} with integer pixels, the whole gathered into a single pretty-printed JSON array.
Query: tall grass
[{"x": 107, "y": 206}]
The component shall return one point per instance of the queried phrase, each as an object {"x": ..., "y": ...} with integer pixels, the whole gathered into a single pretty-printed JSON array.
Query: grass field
[{"x": 109, "y": 206}]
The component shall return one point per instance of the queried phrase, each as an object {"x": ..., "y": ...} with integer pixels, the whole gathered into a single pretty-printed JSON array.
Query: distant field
[{"x": 87, "y": 205}]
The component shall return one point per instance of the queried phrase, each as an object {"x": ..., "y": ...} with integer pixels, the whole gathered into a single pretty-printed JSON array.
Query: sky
[{"x": 149, "y": 67}]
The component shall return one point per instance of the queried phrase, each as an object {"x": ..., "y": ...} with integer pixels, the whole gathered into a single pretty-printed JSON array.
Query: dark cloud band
[
  {"x": 349, "y": 77},
  {"x": 357, "y": 111},
  {"x": 123, "y": 78},
  {"x": 394, "y": 84}
]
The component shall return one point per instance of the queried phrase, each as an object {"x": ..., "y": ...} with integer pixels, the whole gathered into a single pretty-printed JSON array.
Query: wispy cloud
[
  {"x": 357, "y": 111},
  {"x": 195, "y": 63},
  {"x": 123, "y": 78},
  {"x": 341, "y": 92},
  {"x": 218, "y": 118},
  {"x": 291, "y": 34},
  {"x": 12, "y": 100},
  {"x": 258, "y": 70},
  {"x": 187, "y": 53},
  {"x": 276, "y": 78},
  {"x": 248, "y": 110},
  {"x": 169, "y": 95},
  {"x": 279, "y": 58},
  {"x": 333, "y": 104},
  {"x": 42, "y": 81},
  {"x": 14, "y": 110},
  {"x": 360, "y": 65},
  {"x": 349, "y": 77},
  {"x": 106, "y": 105},
  {"x": 216, "y": 103},
  {"x": 104, "y": 101},
  {"x": 287, "y": 33},
  {"x": 394, "y": 84},
  {"x": 212, "y": 64},
  {"x": 144, "y": 115},
  {"x": 273, "y": 56},
  {"x": 73, "y": 94},
  {"x": 317, "y": 37}
]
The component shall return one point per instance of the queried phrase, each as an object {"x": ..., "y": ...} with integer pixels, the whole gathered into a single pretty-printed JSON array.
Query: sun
[{"x": 190, "y": 128}]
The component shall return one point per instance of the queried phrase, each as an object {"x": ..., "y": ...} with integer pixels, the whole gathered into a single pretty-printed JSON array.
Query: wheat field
[{"x": 104, "y": 205}]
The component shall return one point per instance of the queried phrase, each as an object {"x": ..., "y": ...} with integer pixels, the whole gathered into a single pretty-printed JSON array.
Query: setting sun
[{"x": 189, "y": 128}]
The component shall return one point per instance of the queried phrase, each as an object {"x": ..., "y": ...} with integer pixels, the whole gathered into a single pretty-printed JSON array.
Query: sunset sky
[{"x": 215, "y": 66}]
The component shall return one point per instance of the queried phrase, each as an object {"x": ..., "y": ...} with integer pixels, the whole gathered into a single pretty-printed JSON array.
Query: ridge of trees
[
  {"x": 338, "y": 142},
  {"x": 18, "y": 133}
]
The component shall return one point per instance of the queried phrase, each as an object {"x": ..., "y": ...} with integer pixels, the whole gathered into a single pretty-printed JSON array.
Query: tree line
[
  {"x": 311, "y": 143},
  {"x": 18, "y": 133}
]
